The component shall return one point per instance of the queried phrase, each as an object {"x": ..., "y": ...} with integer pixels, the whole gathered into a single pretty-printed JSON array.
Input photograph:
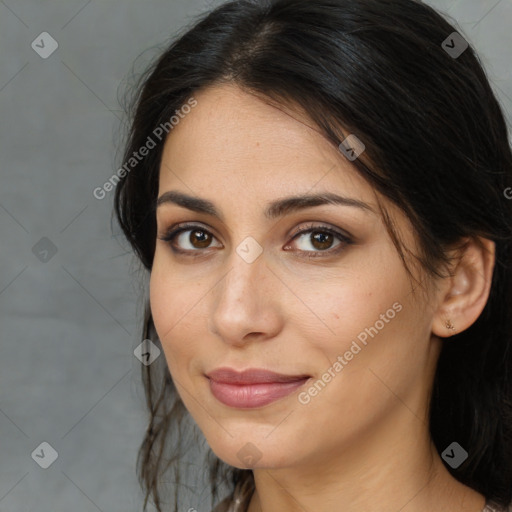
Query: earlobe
[{"x": 467, "y": 289}]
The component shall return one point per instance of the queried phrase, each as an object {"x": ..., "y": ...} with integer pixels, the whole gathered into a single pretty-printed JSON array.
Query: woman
[{"x": 316, "y": 190}]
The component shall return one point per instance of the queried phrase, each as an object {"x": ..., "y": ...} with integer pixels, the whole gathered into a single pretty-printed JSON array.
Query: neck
[{"x": 386, "y": 470}]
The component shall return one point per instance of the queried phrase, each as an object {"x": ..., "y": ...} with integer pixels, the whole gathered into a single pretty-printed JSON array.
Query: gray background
[{"x": 68, "y": 325}]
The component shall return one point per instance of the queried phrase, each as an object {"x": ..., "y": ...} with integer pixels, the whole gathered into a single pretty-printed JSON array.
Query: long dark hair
[{"x": 438, "y": 141}]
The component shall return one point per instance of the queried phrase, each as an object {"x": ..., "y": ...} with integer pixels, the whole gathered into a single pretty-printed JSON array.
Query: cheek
[
  {"x": 175, "y": 309},
  {"x": 370, "y": 323},
  {"x": 162, "y": 301},
  {"x": 349, "y": 304}
]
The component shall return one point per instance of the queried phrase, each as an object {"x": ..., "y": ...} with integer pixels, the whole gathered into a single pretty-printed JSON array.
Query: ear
[{"x": 463, "y": 295}]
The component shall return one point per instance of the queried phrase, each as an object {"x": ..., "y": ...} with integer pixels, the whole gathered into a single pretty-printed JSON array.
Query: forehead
[{"x": 233, "y": 140}]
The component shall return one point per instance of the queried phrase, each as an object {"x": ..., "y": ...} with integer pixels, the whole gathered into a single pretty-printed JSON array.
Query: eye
[
  {"x": 196, "y": 237},
  {"x": 321, "y": 239}
]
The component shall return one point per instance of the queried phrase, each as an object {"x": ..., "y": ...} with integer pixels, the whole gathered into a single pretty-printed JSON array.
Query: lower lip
[{"x": 248, "y": 396}]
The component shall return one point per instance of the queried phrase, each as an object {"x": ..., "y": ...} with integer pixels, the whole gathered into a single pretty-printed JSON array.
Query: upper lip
[{"x": 251, "y": 376}]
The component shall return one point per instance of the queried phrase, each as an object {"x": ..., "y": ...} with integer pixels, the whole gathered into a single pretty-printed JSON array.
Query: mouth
[{"x": 253, "y": 387}]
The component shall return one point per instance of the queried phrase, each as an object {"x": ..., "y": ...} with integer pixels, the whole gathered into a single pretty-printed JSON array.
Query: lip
[{"x": 253, "y": 387}]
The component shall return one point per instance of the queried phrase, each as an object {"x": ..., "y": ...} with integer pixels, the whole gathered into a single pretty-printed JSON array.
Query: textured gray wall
[{"x": 68, "y": 295}]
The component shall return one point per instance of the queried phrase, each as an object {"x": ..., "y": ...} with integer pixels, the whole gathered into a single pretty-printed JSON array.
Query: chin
[{"x": 250, "y": 451}]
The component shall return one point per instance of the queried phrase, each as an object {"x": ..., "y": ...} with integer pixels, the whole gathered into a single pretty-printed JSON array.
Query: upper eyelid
[{"x": 311, "y": 224}]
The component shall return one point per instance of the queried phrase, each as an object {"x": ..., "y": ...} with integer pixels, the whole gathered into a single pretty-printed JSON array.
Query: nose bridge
[
  {"x": 246, "y": 258},
  {"x": 241, "y": 301},
  {"x": 246, "y": 264}
]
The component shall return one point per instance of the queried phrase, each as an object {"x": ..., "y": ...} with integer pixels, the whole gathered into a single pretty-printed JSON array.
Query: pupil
[
  {"x": 202, "y": 243},
  {"x": 323, "y": 239}
]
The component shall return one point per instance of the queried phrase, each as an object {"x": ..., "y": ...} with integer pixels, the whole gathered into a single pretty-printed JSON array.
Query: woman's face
[{"x": 334, "y": 311}]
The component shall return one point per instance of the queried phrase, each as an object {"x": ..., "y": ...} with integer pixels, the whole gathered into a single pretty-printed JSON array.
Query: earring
[{"x": 448, "y": 324}]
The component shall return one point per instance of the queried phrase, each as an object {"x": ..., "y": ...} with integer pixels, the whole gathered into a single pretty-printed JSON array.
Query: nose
[{"x": 245, "y": 303}]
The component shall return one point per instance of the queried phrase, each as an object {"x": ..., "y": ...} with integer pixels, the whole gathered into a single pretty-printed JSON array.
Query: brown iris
[
  {"x": 323, "y": 239},
  {"x": 203, "y": 240}
]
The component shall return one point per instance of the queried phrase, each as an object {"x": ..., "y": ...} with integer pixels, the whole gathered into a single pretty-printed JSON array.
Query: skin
[{"x": 362, "y": 443}]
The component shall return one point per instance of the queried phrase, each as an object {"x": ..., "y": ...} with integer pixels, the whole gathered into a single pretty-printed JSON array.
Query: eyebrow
[{"x": 275, "y": 209}]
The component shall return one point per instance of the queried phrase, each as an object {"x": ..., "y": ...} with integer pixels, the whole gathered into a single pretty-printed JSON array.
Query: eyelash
[{"x": 172, "y": 233}]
